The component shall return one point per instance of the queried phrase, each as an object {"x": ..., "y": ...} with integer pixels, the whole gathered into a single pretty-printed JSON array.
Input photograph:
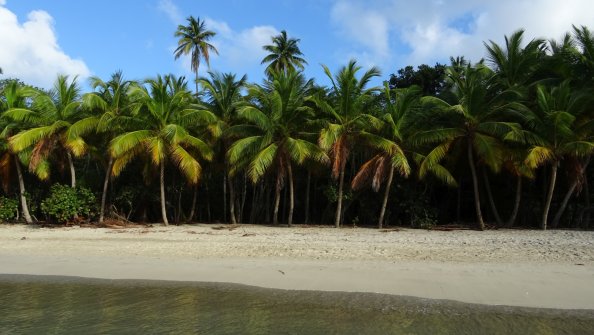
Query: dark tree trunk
[
  {"x": 231, "y": 200},
  {"x": 568, "y": 195},
  {"x": 491, "y": 200},
  {"x": 307, "y": 191},
  {"x": 477, "y": 199},
  {"x": 105, "y": 187},
  {"x": 514, "y": 214},
  {"x": 291, "y": 194},
  {"x": 547, "y": 206},
  {"x": 225, "y": 196},
  {"x": 380, "y": 223},
  {"x": 193, "y": 207}
]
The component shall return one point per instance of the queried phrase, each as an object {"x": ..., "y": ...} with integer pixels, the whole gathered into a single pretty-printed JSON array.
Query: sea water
[{"x": 68, "y": 305}]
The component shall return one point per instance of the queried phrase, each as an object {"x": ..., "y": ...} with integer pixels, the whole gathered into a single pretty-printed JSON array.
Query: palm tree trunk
[
  {"x": 72, "y": 172},
  {"x": 545, "y": 212},
  {"x": 193, "y": 208},
  {"x": 338, "y": 216},
  {"x": 162, "y": 182},
  {"x": 276, "y": 200},
  {"x": 24, "y": 206},
  {"x": 225, "y": 196},
  {"x": 105, "y": 185},
  {"x": 231, "y": 200},
  {"x": 291, "y": 194},
  {"x": 307, "y": 191},
  {"x": 380, "y": 222},
  {"x": 568, "y": 195},
  {"x": 512, "y": 219},
  {"x": 491, "y": 200},
  {"x": 477, "y": 200}
]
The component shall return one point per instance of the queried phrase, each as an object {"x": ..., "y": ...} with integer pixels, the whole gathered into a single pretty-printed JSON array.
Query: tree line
[{"x": 504, "y": 141}]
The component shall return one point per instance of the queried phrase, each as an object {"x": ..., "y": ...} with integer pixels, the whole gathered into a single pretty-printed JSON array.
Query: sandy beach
[{"x": 552, "y": 269}]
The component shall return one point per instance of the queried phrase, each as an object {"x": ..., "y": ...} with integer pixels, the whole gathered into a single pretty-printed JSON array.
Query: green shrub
[
  {"x": 64, "y": 204},
  {"x": 8, "y": 209}
]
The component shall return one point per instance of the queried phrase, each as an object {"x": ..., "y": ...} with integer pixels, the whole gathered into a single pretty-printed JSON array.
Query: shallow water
[{"x": 68, "y": 305}]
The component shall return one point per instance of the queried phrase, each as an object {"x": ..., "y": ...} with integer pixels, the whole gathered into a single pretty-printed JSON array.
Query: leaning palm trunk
[
  {"x": 545, "y": 212},
  {"x": 338, "y": 217},
  {"x": 514, "y": 214},
  {"x": 276, "y": 200},
  {"x": 568, "y": 195},
  {"x": 162, "y": 182},
  {"x": 105, "y": 185},
  {"x": 477, "y": 200},
  {"x": 380, "y": 223},
  {"x": 72, "y": 171},
  {"x": 491, "y": 200},
  {"x": 24, "y": 206},
  {"x": 291, "y": 194}
]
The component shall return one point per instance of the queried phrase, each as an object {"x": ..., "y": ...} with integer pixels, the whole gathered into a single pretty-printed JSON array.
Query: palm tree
[
  {"x": 473, "y": 122},
  {"x": 390, "y": 141},
  {"x": 273, "y": 137},
  {"x": 194, "y": 38},
  {"x": 563, "y": 130},
  {"x": 284, "y": 54},
  {"x": 223, "y": 96},
  {"x": 347, "y": 106},
  {"x": 163, "y": 105},
  {"x": 58, "y": 121},
  {"x": 111, "y": 99},
  {"x": 13, "y": 96}
]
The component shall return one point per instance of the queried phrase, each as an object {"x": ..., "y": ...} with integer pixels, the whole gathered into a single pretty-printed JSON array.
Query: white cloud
[
  {"x": 30, "y": 51},
  {"x": 171, "y": 10},
  {"x": 426, "y": 31}
]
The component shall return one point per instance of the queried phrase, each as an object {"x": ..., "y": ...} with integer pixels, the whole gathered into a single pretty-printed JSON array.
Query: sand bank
[{"x": 553, "y": 269}]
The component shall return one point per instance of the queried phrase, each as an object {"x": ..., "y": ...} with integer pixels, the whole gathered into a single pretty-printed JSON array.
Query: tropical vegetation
[{"x": 500, "y": 142}]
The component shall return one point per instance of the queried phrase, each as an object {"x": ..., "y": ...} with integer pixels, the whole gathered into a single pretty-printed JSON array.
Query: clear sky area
[{"x": 40, "y": 39}]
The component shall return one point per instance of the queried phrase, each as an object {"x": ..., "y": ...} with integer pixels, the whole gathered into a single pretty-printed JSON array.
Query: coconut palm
[
  {"x": 223, "y": 98},
  {"x": 390, "y": 142},
  {"x": 515, "y": 64},
  {"x": 284, "y": 54},
  {"x": 194, "y": 38},
  {"x": 58, "y": 121},
  {"x": 348, "y": 107},
  {"x": 474, "y": 122},
  {"x": 111, "y": 100},
  {"x": 273, "y": 138},
  {"x": 13, "y": 96},
  {"x": 563, "y": 129},
  {"x": 164, "y": 106}
]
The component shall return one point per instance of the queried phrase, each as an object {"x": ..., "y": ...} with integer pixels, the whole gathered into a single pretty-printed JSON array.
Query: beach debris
[
  {"x": 281, "y": 271},
  {"x": 24, "y": 238},
  {"x": 389, "y": 230},
  {"x": 227, "y": 227},
  {"x": 582, "y": 264},
  {"x": 248, "y": 234}
]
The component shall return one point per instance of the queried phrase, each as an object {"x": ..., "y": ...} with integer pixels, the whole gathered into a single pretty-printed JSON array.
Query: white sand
[{"x": 553, "y": 269}]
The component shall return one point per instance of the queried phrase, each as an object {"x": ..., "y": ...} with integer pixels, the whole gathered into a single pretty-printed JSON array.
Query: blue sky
[{"x": 41, "y": 38}]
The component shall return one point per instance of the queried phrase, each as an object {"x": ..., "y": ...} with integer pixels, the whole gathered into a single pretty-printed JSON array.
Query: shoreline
[{"x": 552, "y": 269}]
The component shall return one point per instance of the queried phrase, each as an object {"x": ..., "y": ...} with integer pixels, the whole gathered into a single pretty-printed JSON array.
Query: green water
[{"x": 65, "y": 305}]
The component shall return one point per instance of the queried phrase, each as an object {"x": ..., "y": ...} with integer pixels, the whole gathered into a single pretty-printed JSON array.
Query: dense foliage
[
  {"x": 65, "y": 204},
  {"x": 504, "y": 141}
]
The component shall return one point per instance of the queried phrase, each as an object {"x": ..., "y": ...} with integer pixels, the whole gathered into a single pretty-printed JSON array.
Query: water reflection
[{"x": 66, "y": 305}]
